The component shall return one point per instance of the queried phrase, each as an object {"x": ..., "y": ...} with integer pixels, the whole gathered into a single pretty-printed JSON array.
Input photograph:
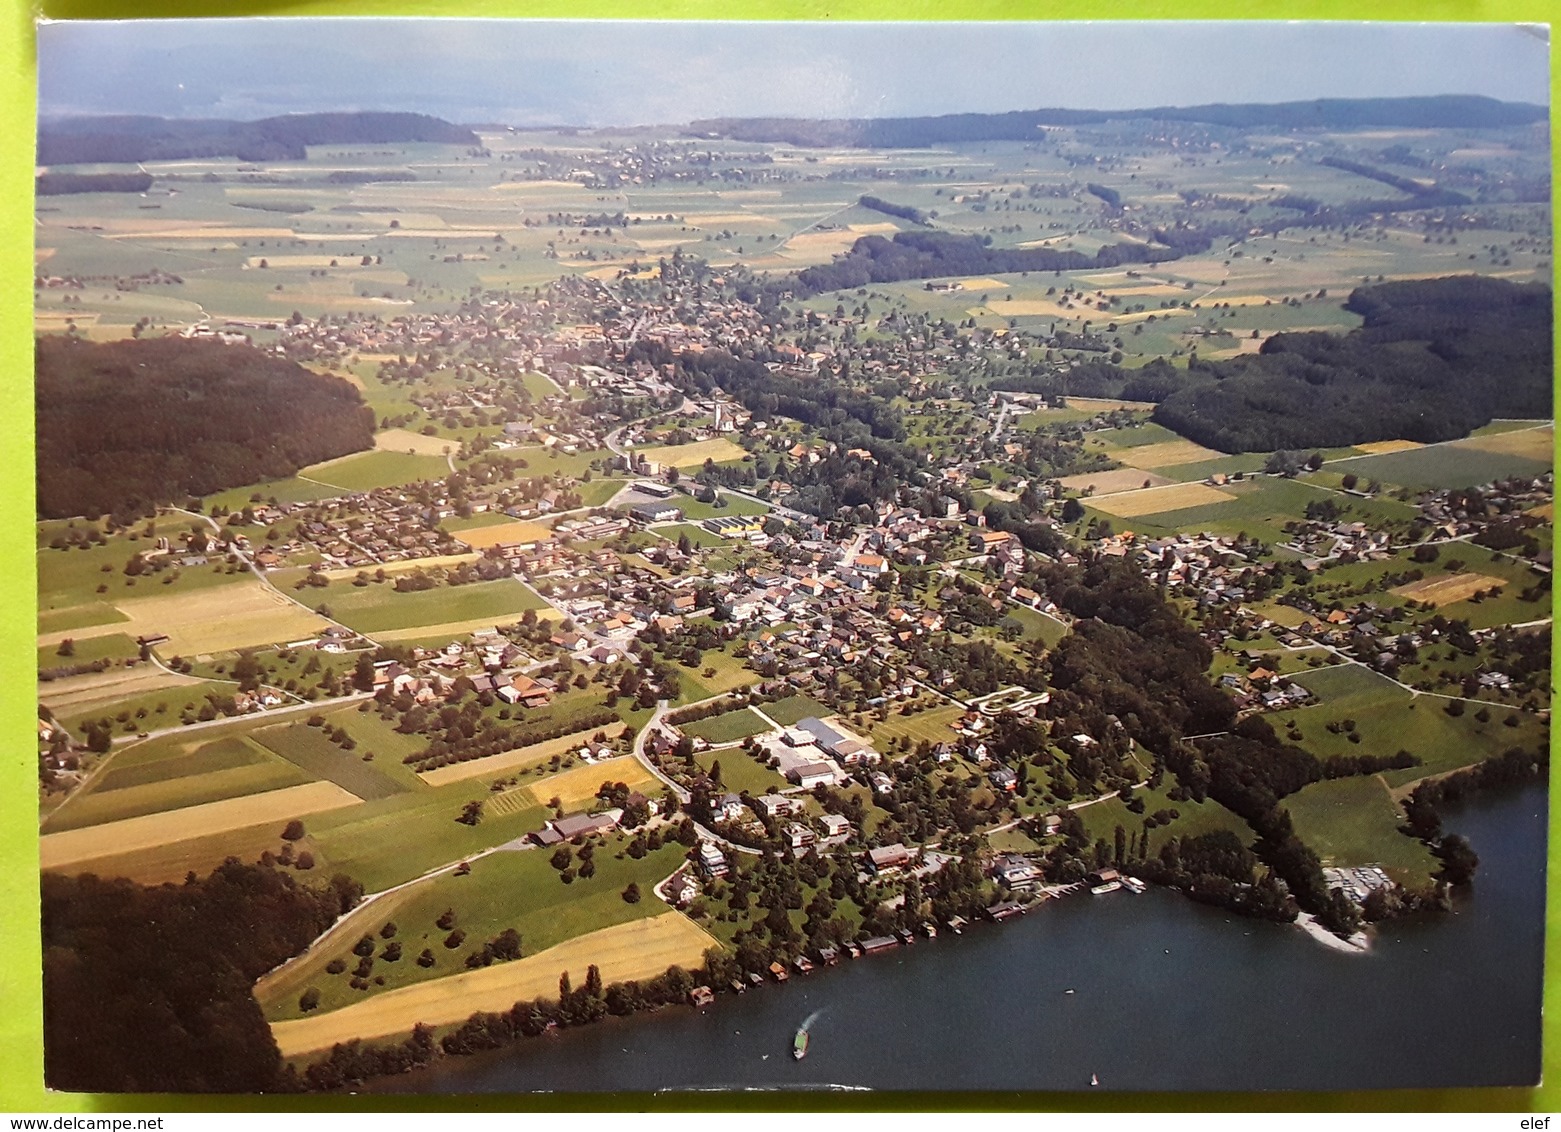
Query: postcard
[{"x": 622, "y": 557}]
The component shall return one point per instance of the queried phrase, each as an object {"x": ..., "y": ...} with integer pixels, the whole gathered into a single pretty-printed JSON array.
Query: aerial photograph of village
[{"x": 564, "y": 569}]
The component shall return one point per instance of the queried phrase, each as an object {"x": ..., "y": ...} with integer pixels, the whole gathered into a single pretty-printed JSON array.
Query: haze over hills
[
  {"x": 124, "y": 138},
  {"x": 1447, "y": 111}
]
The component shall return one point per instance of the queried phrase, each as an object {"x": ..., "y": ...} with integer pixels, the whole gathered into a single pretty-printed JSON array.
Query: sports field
[
  {"x": 636, "y": 950},
  {"x": 73, "y": 847}
]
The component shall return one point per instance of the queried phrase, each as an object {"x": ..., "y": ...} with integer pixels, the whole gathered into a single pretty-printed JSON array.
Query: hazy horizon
[{"x": 595, "y": 74}]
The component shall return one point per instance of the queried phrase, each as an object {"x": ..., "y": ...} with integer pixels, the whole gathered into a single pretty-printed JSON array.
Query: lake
[{"x": 1165, "y": 994}]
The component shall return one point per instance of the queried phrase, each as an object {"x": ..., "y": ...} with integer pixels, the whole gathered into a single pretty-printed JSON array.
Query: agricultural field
[
  {"x": 311, "y": 752},
  {"x": 1156, "y": 501},
  {"x": 161, "y": 775},
  {"x": 379, "y": 609},
  {"x": 368, "y": 470},
  {"x": 1354, "y": 821},
  {"x": 727, "y": 727},
  {"x": 789, "y": 711},
  {"x": 637, "y": 950},
  {"x": 516, "y": 889},
  {"x": 716, "y": 673},
  {"x": 1193, "y": 819},
  {"x": 741, "y": 772},
  {"x": 576, "y": 789},
  {"x": 932, "y": 724},
  {"x": 692, "y": 457},
  {"x": 71, "y": 848},
  {"x": 1389, "y": 719},
  {"x": 1462, "y": 463}
]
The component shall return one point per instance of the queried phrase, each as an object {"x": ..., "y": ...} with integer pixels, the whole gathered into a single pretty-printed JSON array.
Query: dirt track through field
[
  {"x": 637, "y": 950},
  {"x": 71, "y": 847}
]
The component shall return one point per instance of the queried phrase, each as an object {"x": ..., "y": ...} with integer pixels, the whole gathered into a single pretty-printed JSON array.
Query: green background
[{"x": 21, "y": 1073}]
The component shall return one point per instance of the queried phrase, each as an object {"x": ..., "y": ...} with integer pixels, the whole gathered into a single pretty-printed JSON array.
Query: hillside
[
  {"x": 69, "y": 141},
  {"x": 1444, "y": 111},
  {"x": 1434, "y": 359},
  {"x": 123, "y": 426}
]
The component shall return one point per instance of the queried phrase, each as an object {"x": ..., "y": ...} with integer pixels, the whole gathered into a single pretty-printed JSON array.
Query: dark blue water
[{"x": 1167, "y": 995}]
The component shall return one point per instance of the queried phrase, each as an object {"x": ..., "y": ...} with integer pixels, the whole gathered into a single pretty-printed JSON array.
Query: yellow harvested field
[
  {"x": 75, "y": 693},
  {"x": 982, "y": 284},
  {"x": 1533, "y": 443},
  {"x": 303, "y": 261},
  {"x": 1156, "y": 499},
  {"x": 55, "y": 636},
  {"x": 171, "y": 863},
  {"x": 1383, "y": 447},
  {"x": 479, "y": 538},
  {"x": 1116, "y": 480},
  {"x": 574, "y": 788},
  {"x": 705, "y": 219},
  {"x": 404, "y": 440},
  {"x": 394, "y": 568},
  {"x": 1016, "y": 308},
  {"x": 1545, "y": 511},
  {"x": 534, "y": 186},
  {"x": 511, "y": 760},
  {"x": 694, "y": 455},
  {"x": 636, "y": 950},
  {"x": 205, "y": 233},
  {"x": 219, "y": 619},
  {"x": 72, "y": 846},
  {"x": 1448, "y": 588},
  {"x": 1168, "y": 454}
]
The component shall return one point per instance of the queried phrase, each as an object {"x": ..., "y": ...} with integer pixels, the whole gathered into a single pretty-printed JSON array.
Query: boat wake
[{"x": 807, "y": 1023}]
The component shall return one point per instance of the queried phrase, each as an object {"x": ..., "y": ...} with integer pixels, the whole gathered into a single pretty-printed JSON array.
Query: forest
[
  {"x": 1446, "y": 111},
  {"x": 931, "y": 255},
  {"x": 1434, "y": 359},
  {"x": 124, "y": 426},
  {"x": 59, "y": 184},
  {"x": 125, "y": 139},
  {"x": 148, "y": 989}
]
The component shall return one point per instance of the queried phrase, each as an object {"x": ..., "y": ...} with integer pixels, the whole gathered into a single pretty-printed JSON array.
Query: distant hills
[
  {"x": 124, "y": 138},
  {"x": 1448, "y": 111}
]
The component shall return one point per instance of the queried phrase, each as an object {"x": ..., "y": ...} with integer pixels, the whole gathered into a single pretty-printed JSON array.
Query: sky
[{"x": 602, "y": 73}]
